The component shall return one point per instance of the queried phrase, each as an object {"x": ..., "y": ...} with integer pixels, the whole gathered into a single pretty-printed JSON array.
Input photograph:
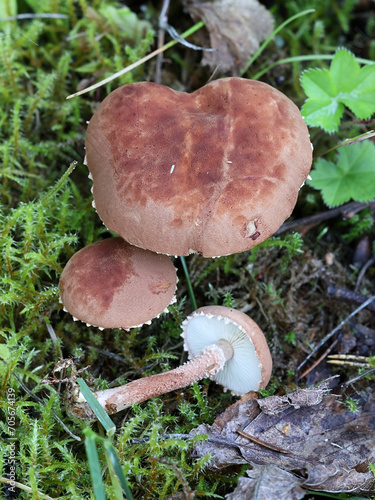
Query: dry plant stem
[
  {"x": 346, "y": 211},
  {"x": 137, "y": 63},
  {"x": 161, "y": 33},
  {"x": 318, "y": 361},
  {"x": 23, "y": 487},
  {"x": 18, "y": 17},
  {"x": 362, "y": 273},
  {"x": 330, "y": 334},
  {"x": 346, "y": 295},
  {"x": 159, "y": 57},
  {"x": 347, "y": 142},
  {"x": 206, "y": 364},
  {"x": 43, "y": 403},
  {"x": 355, "y": 379}
]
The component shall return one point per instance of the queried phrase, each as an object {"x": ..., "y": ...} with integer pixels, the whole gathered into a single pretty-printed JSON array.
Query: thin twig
[
  {"x": 336, "y": 292},
  {"x": 313, "y": 220},
  {"x": 318, "y": 361},
  {"x": 188, "y": 492},
  {"x": 347, "y": 142},
  {"x": 23, "y": 487},
  {"x": 168, "y": 45},
  {"x": 262, "y": 443},
  {"x": 330, "y": 334},
  {"x": 107, "y": 353},
  {"x": 161, "y": 33},
  {"x": 361, "y": 375},
  {"x": 164, "y": 436},
  {"x": 39, "y": 400},
  {"x": 349, "y": 360},
  {"x": 19, "y": 17},
  {"x": 362, "y": 273}
]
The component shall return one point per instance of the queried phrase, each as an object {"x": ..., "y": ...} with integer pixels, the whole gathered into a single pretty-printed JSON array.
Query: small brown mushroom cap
[
  {"x": 112, "y": 284},
  {"x": 250, "y": 367},
  {"x": 214, "y": 172}
]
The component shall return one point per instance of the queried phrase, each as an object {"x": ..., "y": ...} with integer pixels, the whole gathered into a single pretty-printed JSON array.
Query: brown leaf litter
[
  {"x": 235, "y": 27},
  {"x": 312, "y": 434}
]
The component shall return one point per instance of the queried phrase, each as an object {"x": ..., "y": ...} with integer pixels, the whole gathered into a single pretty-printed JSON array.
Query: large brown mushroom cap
[
  {"x": 112, "y": 284},
  {"x": 215, "y": 172}
]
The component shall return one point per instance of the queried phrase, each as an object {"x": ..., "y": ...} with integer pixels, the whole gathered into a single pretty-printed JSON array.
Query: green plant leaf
[
  {"x": 94, "y": 465},
  {"x": 351, "y": 177},
  {"x": 345, "y": 83},
  {"x": 361, "y": 100},
  {"x": 345, "y": 64},
  {"x": 7, "y": 9},
  {"x": 112, "y": 456},
  {"x": 99, "y": 411},
  {"x": 4, "y": 352}
]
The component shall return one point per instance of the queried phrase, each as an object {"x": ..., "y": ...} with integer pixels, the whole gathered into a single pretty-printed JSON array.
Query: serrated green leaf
[
  {"x": 325, "y": 114},
  {"x": 361, "y": 100},
  {"x": 351, "y": 177},
  {"x": 345, "y": 83},
  {"x": 322, "y": 109},
  {"x": 344, "y": 63},
  {"x": 318, "y": 84}
]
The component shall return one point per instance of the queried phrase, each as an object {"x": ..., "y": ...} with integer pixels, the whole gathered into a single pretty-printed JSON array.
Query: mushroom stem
[{"x": 207, "y": 364}]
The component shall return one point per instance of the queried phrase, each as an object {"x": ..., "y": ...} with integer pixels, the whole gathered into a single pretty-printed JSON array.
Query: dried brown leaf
[
  {"x": 236, "y": 27},
  {"x": 317, "y": 435},
  {"x": 268, "y": 481},
  {"x": 302, "y": 397}
]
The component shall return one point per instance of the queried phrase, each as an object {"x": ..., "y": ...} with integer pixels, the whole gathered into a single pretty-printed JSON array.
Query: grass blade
[
  {"x": 303, "y": 58},
  {"x": 273, "y": 34},
  {"x": 95, "y": 469},
  {"x": 99, "y": 411},
  {"x": 188, "y": 282},
  {"x": 168, "y": 45},
  {"x": 112, "y": 455}
]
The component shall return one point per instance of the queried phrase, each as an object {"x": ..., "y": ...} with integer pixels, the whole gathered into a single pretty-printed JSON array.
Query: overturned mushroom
[
  {"x": 215, "y": 172},
  {"x": 111, "y": 284},
  {"x": 223, "y": 344}
]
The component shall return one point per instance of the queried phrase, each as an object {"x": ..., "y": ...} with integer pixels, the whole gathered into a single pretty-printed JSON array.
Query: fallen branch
[
  {"x": 346, "y": 295},
  {"x": 347, "y": 211}
]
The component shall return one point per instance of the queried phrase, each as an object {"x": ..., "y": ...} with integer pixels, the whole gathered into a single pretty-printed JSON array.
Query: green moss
[{"x": 44, "y": 220}]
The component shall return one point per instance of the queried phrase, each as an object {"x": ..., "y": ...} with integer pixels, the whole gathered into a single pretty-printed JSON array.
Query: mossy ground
[{"x": 282, "y": 284}]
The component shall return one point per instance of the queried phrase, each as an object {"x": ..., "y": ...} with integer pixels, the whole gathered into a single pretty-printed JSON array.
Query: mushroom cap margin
[
  {"x": 254, "y": 341},
  {"x": 215, "y": 172},
  {"x": 112, "y": 284}
]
